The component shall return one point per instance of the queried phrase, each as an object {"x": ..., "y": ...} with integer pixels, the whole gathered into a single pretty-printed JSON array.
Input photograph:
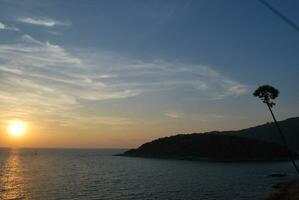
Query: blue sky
[{"x": 123, "y": 72}]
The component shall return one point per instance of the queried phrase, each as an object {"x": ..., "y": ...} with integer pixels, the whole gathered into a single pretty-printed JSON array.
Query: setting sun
[{"x": 16, "y": 128}]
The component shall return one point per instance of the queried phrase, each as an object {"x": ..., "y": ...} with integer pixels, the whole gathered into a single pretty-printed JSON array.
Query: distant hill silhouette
[
  {"x": 240, "y": 145},
  {"x": 210, "y": 147},
  {"x": 268, "y": 132}
]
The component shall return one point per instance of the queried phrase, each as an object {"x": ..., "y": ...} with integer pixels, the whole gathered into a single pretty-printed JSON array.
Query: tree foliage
[{"x": 266, "y": 93}]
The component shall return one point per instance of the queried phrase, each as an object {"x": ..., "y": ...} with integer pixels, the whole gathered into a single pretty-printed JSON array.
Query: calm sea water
[{"x": 96, "y": 174}]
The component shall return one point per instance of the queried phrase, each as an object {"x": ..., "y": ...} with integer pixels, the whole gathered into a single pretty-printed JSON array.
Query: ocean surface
[{"x": 42, "y": 174}]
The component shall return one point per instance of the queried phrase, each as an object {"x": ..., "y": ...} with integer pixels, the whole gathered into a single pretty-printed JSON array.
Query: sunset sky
[{"x": 114, "y": 73}]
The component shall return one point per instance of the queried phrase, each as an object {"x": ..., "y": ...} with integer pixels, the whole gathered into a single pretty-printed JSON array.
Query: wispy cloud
[
  {"x": 237, "y": 89},
  {"x": 47, "y": 81},
  {"x": 198, "y": 80},
  {"x": 48, "y": 22},
  {"x": 6, "y": 27},
  {"x": 173, "y": 114},
  {"x": 96, "y": 120},
  {"x": 42, "y": 79}
]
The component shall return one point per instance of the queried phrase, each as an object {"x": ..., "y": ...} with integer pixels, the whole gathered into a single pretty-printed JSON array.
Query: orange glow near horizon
[
  {"x": 32, "y": 132},
  {"x": 16, "y": 128}
]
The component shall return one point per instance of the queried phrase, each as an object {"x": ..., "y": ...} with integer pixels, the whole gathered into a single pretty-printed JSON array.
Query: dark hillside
[
  {"x": 210, "y": 147},
  {"x": 268, "y": 132}
]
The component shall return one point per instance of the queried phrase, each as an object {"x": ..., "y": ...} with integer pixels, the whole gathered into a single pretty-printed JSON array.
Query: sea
[{"x": 87, "y": 174}]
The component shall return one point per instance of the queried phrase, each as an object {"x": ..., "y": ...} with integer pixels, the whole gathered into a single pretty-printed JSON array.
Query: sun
[{"x": 16, "y": 128}]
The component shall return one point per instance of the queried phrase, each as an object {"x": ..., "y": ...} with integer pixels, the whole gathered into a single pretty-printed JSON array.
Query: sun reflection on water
[{"x": 11, "y": 177}]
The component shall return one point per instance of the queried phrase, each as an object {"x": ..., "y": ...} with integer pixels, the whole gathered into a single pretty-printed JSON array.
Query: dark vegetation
[
  {"x": 257, "y": 143},
  {"x": 224, "y": 146},
  {"x": 268, "y": 132}
]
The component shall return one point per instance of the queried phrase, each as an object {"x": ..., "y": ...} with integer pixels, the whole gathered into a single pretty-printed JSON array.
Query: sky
[{"x": 116, "y": 74}]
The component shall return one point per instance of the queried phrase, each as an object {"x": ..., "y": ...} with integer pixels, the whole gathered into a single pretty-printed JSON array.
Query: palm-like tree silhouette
[{"x": 267, "y": 93}]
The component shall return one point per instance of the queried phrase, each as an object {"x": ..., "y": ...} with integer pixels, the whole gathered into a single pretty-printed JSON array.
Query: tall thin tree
[{"x": 267, "y": 93}]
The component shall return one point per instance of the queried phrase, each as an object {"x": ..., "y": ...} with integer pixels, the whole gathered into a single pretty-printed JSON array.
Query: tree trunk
[{"x": 283, "y": 139}]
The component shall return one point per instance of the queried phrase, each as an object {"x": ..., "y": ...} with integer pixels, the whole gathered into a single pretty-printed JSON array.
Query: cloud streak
[
  {"x": 47, "y": 81},
  {"x": 173, "y": 114},
  {"x": 6, "y": 27},
  {"x": 47, "y": 22},
  {"x": 39, "y": 77}
]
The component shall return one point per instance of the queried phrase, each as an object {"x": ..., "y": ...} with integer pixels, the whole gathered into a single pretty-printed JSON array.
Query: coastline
[{"x": 194, "y": 158}]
